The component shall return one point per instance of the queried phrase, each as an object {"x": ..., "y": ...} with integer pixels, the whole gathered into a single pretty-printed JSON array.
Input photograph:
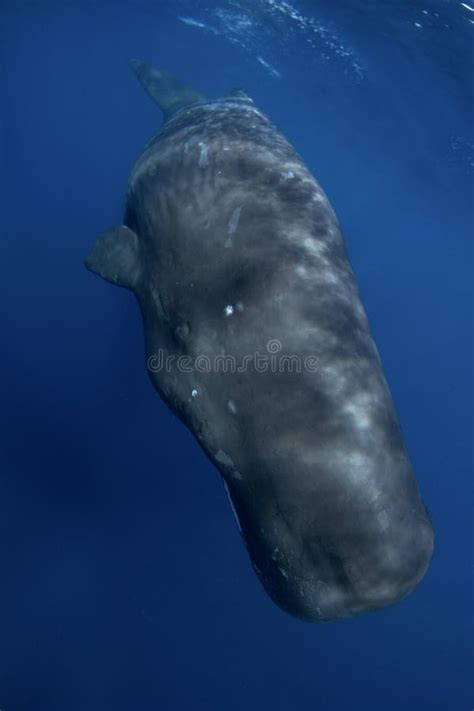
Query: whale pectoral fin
[
  {"x": 115, "y": 257},
  {"x": 164, "y": 89}
]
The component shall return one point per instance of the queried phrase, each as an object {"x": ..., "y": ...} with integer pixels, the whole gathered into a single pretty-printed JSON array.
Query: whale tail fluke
[{"x": 164, "y": 89}]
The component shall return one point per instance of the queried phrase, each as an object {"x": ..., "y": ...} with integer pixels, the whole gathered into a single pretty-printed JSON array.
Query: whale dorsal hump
[
  {"x": 164, "y": 89},
  {"x": 240, "y": 94}
]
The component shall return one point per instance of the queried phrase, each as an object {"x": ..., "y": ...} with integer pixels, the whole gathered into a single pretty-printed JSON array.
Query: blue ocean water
[{"x": 123, "y": 581}]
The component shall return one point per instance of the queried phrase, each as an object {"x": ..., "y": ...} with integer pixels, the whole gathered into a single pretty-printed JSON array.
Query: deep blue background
[{"x": 123, "y": 580}]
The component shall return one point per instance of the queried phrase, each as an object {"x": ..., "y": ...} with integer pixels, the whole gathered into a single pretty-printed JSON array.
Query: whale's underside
[{"x": 257, "y": 339}]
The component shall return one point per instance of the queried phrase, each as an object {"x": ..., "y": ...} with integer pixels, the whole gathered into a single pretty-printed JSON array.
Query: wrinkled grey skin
[{"x": 233, "y": 248}]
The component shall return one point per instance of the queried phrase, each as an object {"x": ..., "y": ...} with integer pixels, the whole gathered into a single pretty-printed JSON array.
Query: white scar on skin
[
  {"x": 203, "y": 157},
  {"x": 234, "y": 220}
]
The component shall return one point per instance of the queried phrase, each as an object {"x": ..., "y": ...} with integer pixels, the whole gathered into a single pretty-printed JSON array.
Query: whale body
[{"x": 256, "y": 337}]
